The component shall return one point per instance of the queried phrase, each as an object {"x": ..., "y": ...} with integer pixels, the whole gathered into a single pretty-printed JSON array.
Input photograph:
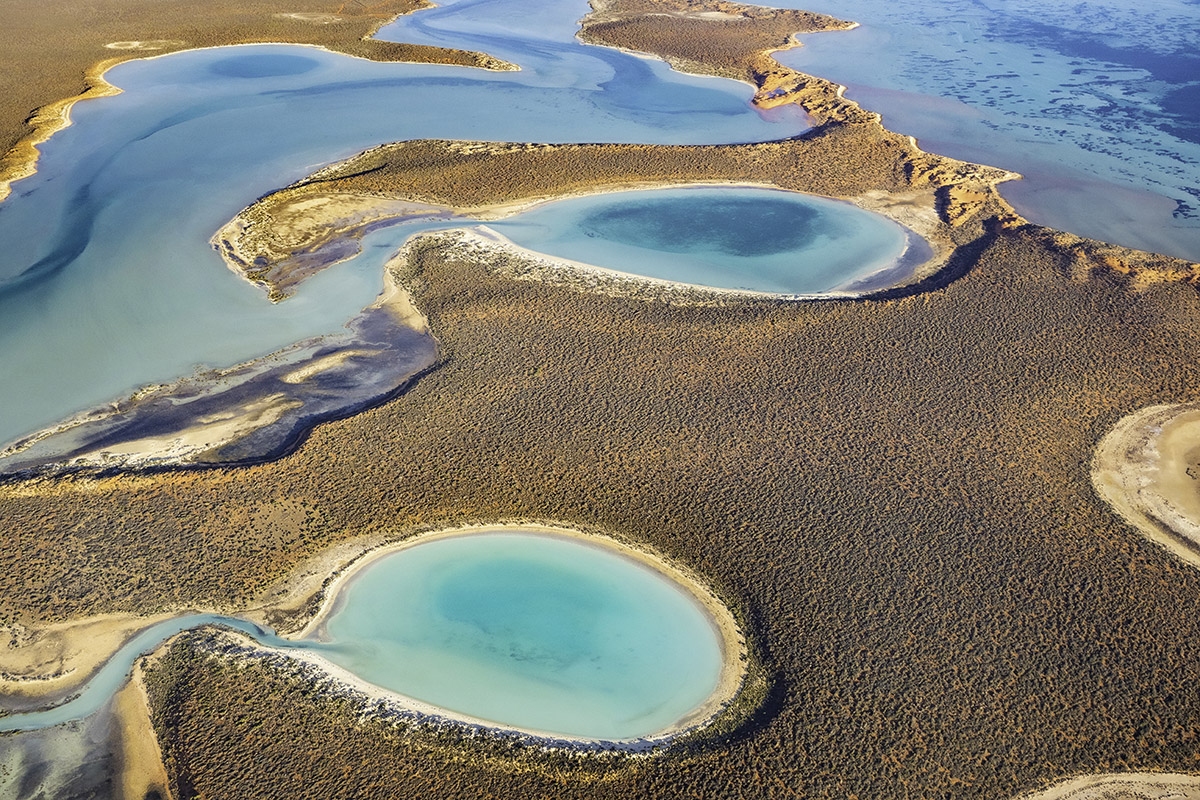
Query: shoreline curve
[
  {"x": 1147, "y": 469},
  {"x": 733, "y": 642}
]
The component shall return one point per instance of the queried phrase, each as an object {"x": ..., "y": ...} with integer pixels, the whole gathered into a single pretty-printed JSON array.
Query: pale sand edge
[
  {"x": 141, "y": 763},
  {"x": 734, "y": 650},
  {"x": 73, "y": 651},
  {"x": 1122, "y": 468},
  {"x": 1144, "y": 785},
  {"x": 342, "y": 562},
  {"x": 915, "y": 218},
  {"x": 204, "y": 435}
]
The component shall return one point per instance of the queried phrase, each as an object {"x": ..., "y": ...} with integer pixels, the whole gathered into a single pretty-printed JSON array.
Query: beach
[{"x": 1148, "y": 469}]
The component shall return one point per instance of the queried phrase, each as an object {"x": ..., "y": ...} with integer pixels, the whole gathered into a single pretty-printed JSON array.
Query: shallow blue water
[
  {"x": 538, "y": 632},
  {"x": 107, "y": 280},
  {"x": 525, "y": 630},
  {"x": 1096, "y": 102},
  {"x": 112, "y": 676},
  {"x": 733, "y": 238}
]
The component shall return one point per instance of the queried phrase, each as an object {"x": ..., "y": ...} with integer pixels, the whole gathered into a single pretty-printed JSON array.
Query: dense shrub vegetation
[{"x": 897, "y": 490}]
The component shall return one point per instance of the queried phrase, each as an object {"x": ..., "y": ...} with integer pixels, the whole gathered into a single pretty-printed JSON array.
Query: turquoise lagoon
[
  {"x": 532, "y": 631},
  {"x": 732, "y": 238}
]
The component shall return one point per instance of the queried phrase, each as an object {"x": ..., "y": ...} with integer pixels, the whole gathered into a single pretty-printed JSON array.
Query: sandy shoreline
[
  {"x": 914, "y": 212},
  {"x": 221, "y": 408},
  {"x": 1147, "y": 468},
  {"x": 85, "y": 646},
  {"x": 732, "y": 641},
  {"x": 21, "y": 161},
  {"x": 1125, "y": 785}
]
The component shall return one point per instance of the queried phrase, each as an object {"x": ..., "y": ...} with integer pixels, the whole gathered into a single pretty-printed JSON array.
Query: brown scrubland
[
  {"x": 897, "y": 492},
  {"x": 892, "y": 493}
]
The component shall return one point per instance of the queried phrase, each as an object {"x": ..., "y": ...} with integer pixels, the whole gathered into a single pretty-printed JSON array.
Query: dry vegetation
[
  {"x": 897, "y": 491},
  {"x": 687, "y": 34},
  {"x": 55, "y": 49}
]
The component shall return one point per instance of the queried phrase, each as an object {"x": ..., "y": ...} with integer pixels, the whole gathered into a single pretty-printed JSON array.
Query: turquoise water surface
[
  {"x": 525, "y": 630},
  {"x": 107, "y": 278},
  {"x": 538, "y": 632},
  {"x": 732, "y": 238}
]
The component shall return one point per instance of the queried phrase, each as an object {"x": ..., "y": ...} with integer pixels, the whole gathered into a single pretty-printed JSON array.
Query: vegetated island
[
  {"x": 904, "y": 546},
  {"x": 1148, "y": 469}
]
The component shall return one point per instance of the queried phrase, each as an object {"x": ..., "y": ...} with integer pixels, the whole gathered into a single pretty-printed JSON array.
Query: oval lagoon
[
  {"x": 535, "y": 631},
  {"x": 747, "y": 238},
  {"x": 544, "y": 631}
]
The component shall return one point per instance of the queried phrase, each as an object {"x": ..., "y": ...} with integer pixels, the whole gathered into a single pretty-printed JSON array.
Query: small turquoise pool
[
  {"x": 528, "y": 630},
  {"x": 726, "y": 237}
]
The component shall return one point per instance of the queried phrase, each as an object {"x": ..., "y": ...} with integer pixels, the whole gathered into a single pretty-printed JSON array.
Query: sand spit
[
  {"x": 281, "y": 240},
  {"x": 289, "y": 235},
  {"x": 246, "y": 413},
  {"x": 697, "y": 43},
  {"x": 140, "y": 761},
  {"x": 1123, "y": 786},
  {"x": 1148, "y": 469}
]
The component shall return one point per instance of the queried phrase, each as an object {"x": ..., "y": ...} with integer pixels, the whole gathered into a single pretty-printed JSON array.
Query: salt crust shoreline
[
  {"x": 912, "y": 211},
  {"x": 905, "y": 210},
  {"x": 733, "y": 643}
]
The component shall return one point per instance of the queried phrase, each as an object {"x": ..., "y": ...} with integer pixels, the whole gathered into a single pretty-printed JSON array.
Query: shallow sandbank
[
  {"x": 1148, "y": 469},
  {"x": 41, "y": 666},
  {"x": 1123, "y": 786},
  {"x": 253, "y": 411}
]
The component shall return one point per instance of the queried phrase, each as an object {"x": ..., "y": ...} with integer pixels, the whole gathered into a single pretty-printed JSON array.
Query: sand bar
[
  {"x": 1123, "y": 786},
  {"x": 1148, "y": 469}
]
